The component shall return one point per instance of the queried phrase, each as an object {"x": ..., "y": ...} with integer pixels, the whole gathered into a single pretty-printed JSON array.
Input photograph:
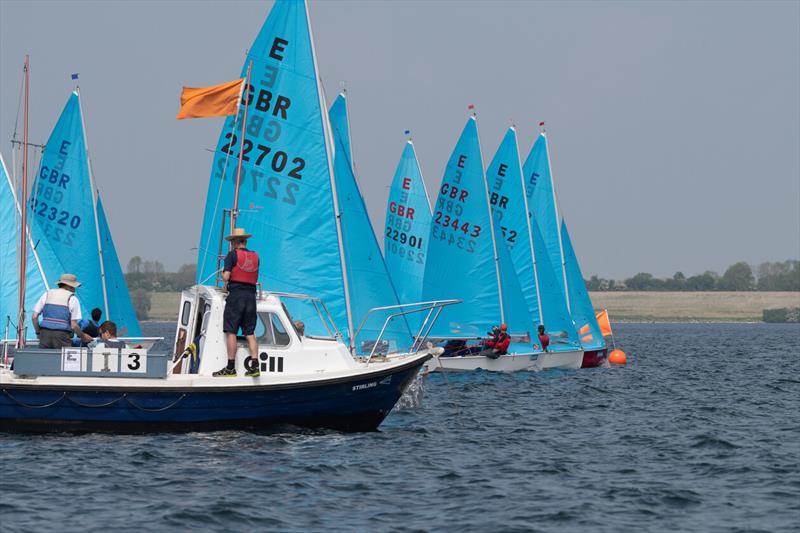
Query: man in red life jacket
[
  {"x": 240, "y": 273},
  {"x": 498, "y": 344},
  {"x": 544, "y": 338}
]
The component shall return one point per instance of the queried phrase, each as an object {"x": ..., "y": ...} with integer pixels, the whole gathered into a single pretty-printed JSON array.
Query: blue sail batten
[
  {"x": 461, "y": 252},
  {"x": 63, "y": 224},
  {"x": 369, "y": 282},
  {"x": 285, "y": 196},
  {"x": 407, "y": 228},
  {"x": 581, "y": 308}
]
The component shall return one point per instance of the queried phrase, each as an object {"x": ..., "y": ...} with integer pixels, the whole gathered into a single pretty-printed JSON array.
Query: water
[{"x": 700, "y": 432}]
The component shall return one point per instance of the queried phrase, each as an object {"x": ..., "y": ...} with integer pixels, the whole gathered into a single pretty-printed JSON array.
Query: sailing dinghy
[
  {"x": 466, "y": 261},
  {"x": 306, "y": 379}
]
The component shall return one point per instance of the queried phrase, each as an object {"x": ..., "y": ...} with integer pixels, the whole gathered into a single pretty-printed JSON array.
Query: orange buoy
[{"x": 617, "y": 357}]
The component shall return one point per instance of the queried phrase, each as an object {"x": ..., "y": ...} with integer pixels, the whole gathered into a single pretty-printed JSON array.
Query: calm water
[{"x": 700, "y": 432}]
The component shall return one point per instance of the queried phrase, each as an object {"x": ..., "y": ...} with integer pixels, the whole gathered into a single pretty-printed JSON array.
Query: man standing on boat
[
  {"x": 240, "y": 273},
  {"x": 60, "y": 311}
]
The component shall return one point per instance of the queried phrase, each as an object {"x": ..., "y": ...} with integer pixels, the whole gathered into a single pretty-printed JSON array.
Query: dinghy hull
[
  {"x": 357, "y": 402},
  {"x": 594, "y": 358},
  {"x": 567, "y": 359},
  {"x": 467, "y": 363}
]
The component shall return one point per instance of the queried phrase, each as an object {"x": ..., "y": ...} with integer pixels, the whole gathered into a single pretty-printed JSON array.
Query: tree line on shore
[{"x": 144, "y": 277}]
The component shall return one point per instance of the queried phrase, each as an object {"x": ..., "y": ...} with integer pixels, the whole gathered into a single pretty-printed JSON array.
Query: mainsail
[
  {"x": 63, "y": 214},
  {"x": 580, "y": 304},
  {"x": 369, "y": 282},
  {"x": 542, "y": 203},
  {"x": 464, "y": 260},
  {"x": 286, "y": 197},
  {"x": 408, "y": 225}
]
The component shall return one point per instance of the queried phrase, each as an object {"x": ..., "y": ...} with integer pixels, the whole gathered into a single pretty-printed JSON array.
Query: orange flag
[
  {"x": 217, "y": 101},
  {"x": 605, "y": 325}
]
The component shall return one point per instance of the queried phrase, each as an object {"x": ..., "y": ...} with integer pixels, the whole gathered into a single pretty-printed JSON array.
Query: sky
[{"x": 674, "y": 127}]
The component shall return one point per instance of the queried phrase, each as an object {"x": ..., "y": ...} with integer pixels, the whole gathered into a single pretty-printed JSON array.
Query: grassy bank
[
  {"x": 692, "y": 306},
  {"x": 632, "y": 306}
]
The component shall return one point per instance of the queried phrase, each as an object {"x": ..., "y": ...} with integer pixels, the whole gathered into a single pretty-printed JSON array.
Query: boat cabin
[{"x": 282, "y": 349}]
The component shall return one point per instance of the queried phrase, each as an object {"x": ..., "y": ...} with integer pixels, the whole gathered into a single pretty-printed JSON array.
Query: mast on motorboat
[
  {"x": 235, "y": 209},
  {"x": 23, "y": 255}
]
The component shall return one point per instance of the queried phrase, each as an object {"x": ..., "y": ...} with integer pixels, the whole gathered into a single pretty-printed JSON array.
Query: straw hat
[
  {"x": 238, "y": 233},
  {"x": 68, "y": 279}
]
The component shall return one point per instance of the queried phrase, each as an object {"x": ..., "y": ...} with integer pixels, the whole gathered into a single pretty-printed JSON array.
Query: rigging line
[{"x": 19, "y": 106}]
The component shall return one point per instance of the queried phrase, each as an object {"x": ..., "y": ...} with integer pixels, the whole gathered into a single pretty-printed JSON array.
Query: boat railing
[
  {"x": 433, "y": 308},
  {"x": 319, "y": 306}
]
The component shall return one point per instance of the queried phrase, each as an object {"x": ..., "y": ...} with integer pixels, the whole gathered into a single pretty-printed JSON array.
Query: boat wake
[{"x": 412, "y": 397}]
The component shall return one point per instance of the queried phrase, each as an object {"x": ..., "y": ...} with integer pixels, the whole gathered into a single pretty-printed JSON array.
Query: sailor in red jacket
[
  {"x": 544, "y": 338},
  {"x": 240, "y": 273},
  {"x": 498, "y": 344}
]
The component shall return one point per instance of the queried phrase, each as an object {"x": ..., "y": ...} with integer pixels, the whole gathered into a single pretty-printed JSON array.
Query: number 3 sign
[{"x": 134, "y": 361}]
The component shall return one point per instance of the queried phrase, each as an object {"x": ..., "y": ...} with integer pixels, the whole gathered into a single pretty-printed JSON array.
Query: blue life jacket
[{"x": 55, "y": 314}]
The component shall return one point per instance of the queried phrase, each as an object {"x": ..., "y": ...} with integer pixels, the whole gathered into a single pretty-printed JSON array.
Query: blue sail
[
  {"x": 36, "y": 282},
  {"x": 509, "y": 207},
  {"x": 120, "y": 307},
  {"x": 461, "y": 251},
  {"x": 285, "y": 198},
  {"x": 554, "y": 303},
  {"x": 369, "y": 282},
  {"x": 408, "y": 225},
  {"x": 62, "y": 214},
  {"x": 542, "y": 203},
  {"x": 580, "y": 306}
]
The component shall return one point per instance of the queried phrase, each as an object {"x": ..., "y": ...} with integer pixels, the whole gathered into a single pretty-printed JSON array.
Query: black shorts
[{"x": 240, "y": 312}]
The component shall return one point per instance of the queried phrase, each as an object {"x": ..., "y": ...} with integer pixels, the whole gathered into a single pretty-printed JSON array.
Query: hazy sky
[{"x": 674, "y": 126}]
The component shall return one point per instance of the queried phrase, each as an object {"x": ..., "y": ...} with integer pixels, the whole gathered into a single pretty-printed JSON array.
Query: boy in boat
[
  {"x": 544, "y": 338},
  {"x": 60, "y": 312},
  {"x": 90, "y": 326},
  {"x": 240, "y": 273},
  {"x": 108, "y": 336},
  {"x": 498, "y": 344}
]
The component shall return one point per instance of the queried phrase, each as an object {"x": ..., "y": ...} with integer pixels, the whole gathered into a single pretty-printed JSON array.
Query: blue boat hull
[{"x": 347, "y": 404}]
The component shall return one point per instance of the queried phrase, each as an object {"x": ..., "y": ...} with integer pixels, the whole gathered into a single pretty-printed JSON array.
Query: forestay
[
  {"x": 62, "y": 213},
  {"x": 408, "y": 226},
  {"x": 368, "y": 278},
  {"x": 286, "y": 197},
  {"x": 463, "y": 261},
  {"x": 580, "y": 304}
]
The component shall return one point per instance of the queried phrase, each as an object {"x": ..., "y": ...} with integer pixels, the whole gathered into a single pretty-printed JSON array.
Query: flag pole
[
  {"x": 23, "y": 254},
  {"x": 235, "y": 210}
]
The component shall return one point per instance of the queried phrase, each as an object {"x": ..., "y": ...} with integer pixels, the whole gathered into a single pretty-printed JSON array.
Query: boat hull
[
  {"x": 467, "y": 363},
  {"x": 594, "y": 358},
  {"x": 567, "y": 359},
  {"x": 353, "y": 403}
]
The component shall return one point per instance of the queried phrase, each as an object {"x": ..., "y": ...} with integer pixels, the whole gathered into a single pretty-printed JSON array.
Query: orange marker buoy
[{"x": 617, "y": 357}]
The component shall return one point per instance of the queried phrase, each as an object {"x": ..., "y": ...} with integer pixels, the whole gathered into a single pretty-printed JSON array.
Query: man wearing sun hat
[
  {"x": 60, "y": 312},
  {"x": 240, "y": 273}
]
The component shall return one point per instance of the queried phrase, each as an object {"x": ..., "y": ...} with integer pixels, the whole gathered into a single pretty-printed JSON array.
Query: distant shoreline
[{"x": 624, "y": 306}]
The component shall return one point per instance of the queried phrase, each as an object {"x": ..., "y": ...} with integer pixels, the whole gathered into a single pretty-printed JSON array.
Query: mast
[
  {"x": 530, "y": 231},
  {"x": 491, "y": 226},
  {"x": 94, "y": 207},
  {"x": 235, "y": 210},
  {"x": 558, "y": 223},
  {"x": 326, "y": 126},
  {"x": 23, "y": 254}
]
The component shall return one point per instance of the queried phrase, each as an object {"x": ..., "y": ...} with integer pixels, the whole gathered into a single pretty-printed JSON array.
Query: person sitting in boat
[
  {"x": 544, "y": 338},
  {"x": 300, "y": 327},
  {"x": 108, "y": 337},
  {"x": 240, "y": 274},
  {"x": 454, "y": 347},
  {"x": 498, "y": 343},
  {"x": 90, "y": 326},
  {"x": 60, "y": 311}
]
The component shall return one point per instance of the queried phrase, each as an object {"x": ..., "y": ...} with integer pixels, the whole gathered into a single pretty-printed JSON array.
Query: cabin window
[
  {"x": 187, "y": 307},
  {"x": 270, "y": 330}
]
